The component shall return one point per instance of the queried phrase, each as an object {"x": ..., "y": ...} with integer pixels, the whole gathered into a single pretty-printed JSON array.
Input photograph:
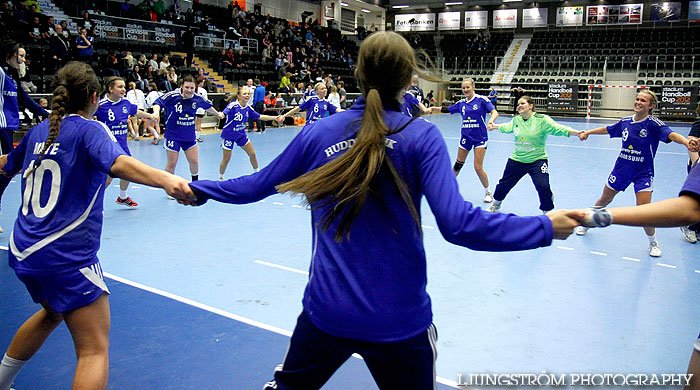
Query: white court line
[
  {"x": 154, "y": 189},
  {"x": 630, "y": 258},
  {"x": 697, "y": 271},
  {"x": 427, "y": 227},
  {"x": 566, "y": 248},
  {"x": 574, "y": 146},
  {"x": 278, "y": 203},
  {"x": 296, "y": 206},
  {"x": 116, "y": 185},
  {"x": 598, "y": 253},
  {"x": 281, "y": 267},
  {"x": 136, "y": 187},
  {"x": 226, "y": 314},
  {"x": 261, "y": 201},
  {"x": 4, "y": 248},
  {"x": 666, "y": 265},
  {"x": 13, "y": 181}
]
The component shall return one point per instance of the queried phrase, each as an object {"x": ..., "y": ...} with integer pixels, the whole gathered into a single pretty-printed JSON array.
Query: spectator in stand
[
  {"x": 333, "y": 96},
  {"x": 279, "y": 61},
  {"x": 164, "y": 63},
  {"x": 159, "y": 9},
  {"x": 229, "y": 59},
  {"x": 259, "y": 103},
  {"x": 172, "y": 77},
  {"x": 47, "y": 28},
  {"x": 128, "y": 60},
  {"x": 493, "y": 96},
  {"x": 343, "y": 95},
  {"x": 66, "y": 31},
  {"x": 188, "y": 45},
  {"x": 241, "y": 59},
  {"x": 162, "y": 80},
  {"x": 516, "y": 93},
  {"x": 136, "y": 97},
  {"x": 176, "y": 10},
  {"x": 142, "y": 62},
  {"x": 59, "y": 48},
  {"x": 84, "y": 45},
  {"x": 34, "y": 34},
  {"x": 86, "y": 22},
  {"x": 125, "y": 9},
  {"x": 136, "y": 79},
  {"x": 154, "y": 61},
  {"x": 110, "y": 65},
  {"x": 285, "y": 83}
]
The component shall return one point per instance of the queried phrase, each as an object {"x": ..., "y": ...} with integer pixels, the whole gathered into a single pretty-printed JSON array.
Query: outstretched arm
[
  {"x": 600, "y": 130},
  {"x": 131, "y": 169}
]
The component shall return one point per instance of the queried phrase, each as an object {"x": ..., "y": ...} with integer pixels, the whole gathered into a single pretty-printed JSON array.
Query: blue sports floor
[{"x": 207, "y": 297}]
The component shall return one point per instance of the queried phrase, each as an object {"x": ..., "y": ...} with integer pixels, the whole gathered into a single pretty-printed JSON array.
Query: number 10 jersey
[{"x": 59, "y": 223}]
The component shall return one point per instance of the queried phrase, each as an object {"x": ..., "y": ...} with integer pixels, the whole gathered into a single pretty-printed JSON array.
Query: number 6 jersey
[{"x": 59, "y": 224}]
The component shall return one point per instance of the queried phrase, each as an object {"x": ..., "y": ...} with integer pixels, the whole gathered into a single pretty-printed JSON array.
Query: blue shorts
[
  {"x": 125, "y": 147},
  {"x": 467, "y": 143},
  {"x": 66, "y": 291},
  {"x": 175, "y": 146},
  {"x": 619, "y": 181},
  {"x": 239, "y": 137}
]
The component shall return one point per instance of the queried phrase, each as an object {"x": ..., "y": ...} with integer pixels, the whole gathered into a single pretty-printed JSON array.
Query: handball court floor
[{"x": 206, "y": 298}]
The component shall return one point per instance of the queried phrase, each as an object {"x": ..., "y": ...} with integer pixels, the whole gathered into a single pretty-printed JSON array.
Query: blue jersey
[
  {"x": 59, "y": 224},
  {"x": 372, "y": 288},
  {"x": 115, "y": 115},
  {"x": 236, "y": 118},
  {"x": 316, "y": 108},
  {"x": 9, "y": 107},
  {"x": 692, "y": 183},
  {"x": 180, "y": 114},
  {"x": 88, "y": 51},
  {"x": 639, "y": 143},
  {"x": 309, "y": 93},
  {"x": 474, "y": 113},
  {"x": 258, "y": 94},
  {"x": 409, "y": 100}
]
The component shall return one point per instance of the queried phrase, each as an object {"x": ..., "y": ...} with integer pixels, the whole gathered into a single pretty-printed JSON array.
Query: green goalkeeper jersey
[{"x": 531, "y": 135}]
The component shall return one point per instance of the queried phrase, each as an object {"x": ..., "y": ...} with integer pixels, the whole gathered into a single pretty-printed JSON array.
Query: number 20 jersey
[{"x": 59, "y": 223}]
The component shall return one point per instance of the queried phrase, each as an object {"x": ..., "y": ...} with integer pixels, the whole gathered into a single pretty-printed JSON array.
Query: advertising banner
[
  {"x": 569, "y": 16},
  {"x": 414, "y": 22},
  {"x": 449, "y": 20},
  {"x": 535, "y": 17},
  {"x": 694, "y": 12},
  {"x": 476, "y": 20},
  {"x": 666, "y": 12},
  {"x": 562, "y": 96},
  {"x": 614, "y": 14},
  {"x": 505, "y": 18},
  {"x": 678, "y": 101}
]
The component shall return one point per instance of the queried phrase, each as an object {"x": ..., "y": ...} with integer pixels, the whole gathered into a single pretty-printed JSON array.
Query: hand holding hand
[
  {"x": 583, "y": 135},
  {"x": 564, "y": 222}
]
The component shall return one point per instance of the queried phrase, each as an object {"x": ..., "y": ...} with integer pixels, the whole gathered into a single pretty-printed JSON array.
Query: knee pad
[{"x": 458, "y": 166}]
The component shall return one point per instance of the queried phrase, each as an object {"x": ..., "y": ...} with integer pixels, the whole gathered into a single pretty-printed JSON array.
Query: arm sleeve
[
  {"x": 102, "y": 147},
  {"x": 489, "y": 106},
  {"x": 463, "y": 224},
  {"x": 15, "y": 159},
  {"x": 695, "y": 129},
  {"x": 133, "y": 108},
  {"x": 554, "y": 128},
  {"x": 691, "y": 187},
  {"x": 247, "y": 189},
  {"x": 664, "y": 133},
  {"x": 455, "y": 108},
  {"x": 29, "y": 103},
  {"x": 506, "y": 127},
  {"x": 332, "y": 108},
  {"x": 252, "y": 113},
  {"x": 615, "y": 130}
]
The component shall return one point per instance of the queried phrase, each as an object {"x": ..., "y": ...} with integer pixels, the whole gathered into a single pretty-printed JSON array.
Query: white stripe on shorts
[{"x": 95, "y": 277}]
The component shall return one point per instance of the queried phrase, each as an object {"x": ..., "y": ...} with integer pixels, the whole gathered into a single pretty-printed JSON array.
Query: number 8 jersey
[{"x": 59, "y": 224}]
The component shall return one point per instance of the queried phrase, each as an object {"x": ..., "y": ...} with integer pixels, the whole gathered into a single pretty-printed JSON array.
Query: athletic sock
[
  {"x": 256, "y": 169},
  {"x": 652, "y": 238},
  {"x": 195, "y": 177},
  {"x": 122, "y": 194},
  {"x": 198, "y": 133},
  {"x": 9, "y": 368},
  {"x": 486, "y": 190}
]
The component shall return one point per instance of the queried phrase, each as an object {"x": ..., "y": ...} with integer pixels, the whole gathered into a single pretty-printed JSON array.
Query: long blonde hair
[{"x": 385, "y": 65}]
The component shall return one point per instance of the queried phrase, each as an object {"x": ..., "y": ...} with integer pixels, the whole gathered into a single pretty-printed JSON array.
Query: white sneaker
[
  {"x": 654, "y": 249},
  {"x": 170, "y": 197},
  {"x": 488, "y": 198},
  {"x": 494, "y": 208},
  {"x": 581, "y": 230},
  {"x": 688, "y": 234},
  {"x": 221, "y": 179}
]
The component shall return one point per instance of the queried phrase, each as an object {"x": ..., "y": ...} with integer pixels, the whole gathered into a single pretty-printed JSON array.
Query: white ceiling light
[
  {"x": 400, "y": 6},
  {"x": 366, "y": 10},
  {"x": 454, "y": 3},
  {"x": 343, "y": 4}
]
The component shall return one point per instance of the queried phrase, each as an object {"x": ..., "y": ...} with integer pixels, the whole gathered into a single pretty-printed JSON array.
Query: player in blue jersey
[
  {"x": 53, "y": 247},
  {"x": 115, "y": 111},
  {"x": 364, "y": 173},
  {"x": 181, "y": 108},
  {"x": 316, "y": 106},
  {"x": 409, "y": 101},
  {"x": 641, "y": 134},
  {"x": 237, "y": 113},
  {"x": 680, "y": 211},
  {"x": 473, "y": 109},
  {"x": 11, "y": 95}
]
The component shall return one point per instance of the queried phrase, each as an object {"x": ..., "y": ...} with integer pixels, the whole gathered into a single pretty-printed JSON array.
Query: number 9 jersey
[{"x": 59, "y": 224}]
